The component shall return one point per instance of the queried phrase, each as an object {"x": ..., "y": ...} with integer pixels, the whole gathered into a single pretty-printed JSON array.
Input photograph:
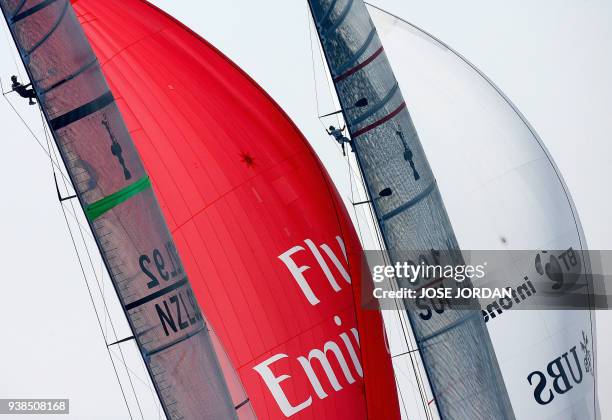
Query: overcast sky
[{"x": 551, "y": 57}]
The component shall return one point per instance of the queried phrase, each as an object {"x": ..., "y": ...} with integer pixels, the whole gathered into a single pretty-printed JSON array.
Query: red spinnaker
[{"x": 260, "y": 227}]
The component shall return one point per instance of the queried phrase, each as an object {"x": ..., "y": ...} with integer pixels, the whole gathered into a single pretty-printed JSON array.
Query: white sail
[{"x": 502, "y": 192}]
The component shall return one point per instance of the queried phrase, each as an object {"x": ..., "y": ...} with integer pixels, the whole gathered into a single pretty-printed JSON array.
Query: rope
[
  {"x": 88, "y": 288},
  {"x": 378, "y": 234},
  {"x": 314, "y": 72},
  {"x": 10, "y": 46},
  {"x": 107, "y": 312},
  {"x": 312, "y": 60},
  {"x": 417, "y": 374},
  {"x": 29, "y": 129},
  {"x": 55, "y": 166},
  {"x": 44, "y": 150},
  {"x": 397, "y": 386},
  {"x": 413, "y": 348}
]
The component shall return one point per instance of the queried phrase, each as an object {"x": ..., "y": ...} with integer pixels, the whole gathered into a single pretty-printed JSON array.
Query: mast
[
  {"x": 455, "y": 346},
  {"x": 123, "y": 214}
]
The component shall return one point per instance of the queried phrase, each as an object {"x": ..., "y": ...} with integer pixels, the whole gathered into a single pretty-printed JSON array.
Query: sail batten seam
[
  {"x": 341, "y": 18},
  {"x": 82, "y": 111},
  {"x": 72, "y": 76},
  {"x": 410, "y": 203},
  {"x": 32, "y": 10},
  {"x": 349, "y": 63},
  {"x": 381, "y": 121},
  {"x": 360, "y": 65},
  {"x": 377, "y": 107}
]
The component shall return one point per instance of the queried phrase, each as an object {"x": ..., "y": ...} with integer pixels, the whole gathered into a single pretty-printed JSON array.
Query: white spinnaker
[{"x": 502, "y": 192}]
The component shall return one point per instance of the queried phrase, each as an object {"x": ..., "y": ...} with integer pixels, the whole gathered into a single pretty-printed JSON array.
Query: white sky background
[{"x": 552, "y": 58}]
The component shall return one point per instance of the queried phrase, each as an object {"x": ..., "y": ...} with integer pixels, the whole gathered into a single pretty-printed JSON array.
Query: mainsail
[
  {"x": 124, "y": 216},
  {"x": 454, "y": 345},
  {"x": 265, "y": 239}
]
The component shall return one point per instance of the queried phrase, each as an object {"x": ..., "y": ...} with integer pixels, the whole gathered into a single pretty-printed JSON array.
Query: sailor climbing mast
[{"x": 454, "y": 346}]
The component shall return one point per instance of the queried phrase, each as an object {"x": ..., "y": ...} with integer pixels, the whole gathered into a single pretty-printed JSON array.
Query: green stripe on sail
[{"x": 97, "y": 209}]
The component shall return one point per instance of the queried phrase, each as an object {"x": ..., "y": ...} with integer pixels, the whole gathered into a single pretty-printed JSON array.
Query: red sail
[{"x": 261, "y": 229}]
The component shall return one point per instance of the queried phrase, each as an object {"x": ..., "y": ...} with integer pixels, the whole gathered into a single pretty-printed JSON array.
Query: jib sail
[{"x": 115, "y": 192}]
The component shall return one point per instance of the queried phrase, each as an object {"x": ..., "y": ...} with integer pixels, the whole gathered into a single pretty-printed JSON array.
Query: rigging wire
[
  {"x": 10, "y": 46},
  {"x": 404, "y": 327},
  {"x": 329, "y": 188},
  {"x": 103, "y": 295},
  {"x": 55, "y": 167},
  {"x": 81, "y": 230},
  {"x": 29, "y": 129},
  {"x": 397, "y": 386},
  {"x": 330, "y": 93},
  {"x": 96, "y": 312},
  {"x": 107, "y": 312},
  {"x": 4, "y": 94},
  {"x": 72, "y": 238},
  {"x": 314, "y": 73},
  {"x": 408, "y": 339},
  {"x": 414, "y": 368},
  {"x": 413, "y": 348},
  {"x": 350, "y": 171}
]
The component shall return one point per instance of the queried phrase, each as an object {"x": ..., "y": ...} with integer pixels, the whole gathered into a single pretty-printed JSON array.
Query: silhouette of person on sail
[
  {"x": 23, "y": 91},
  {"x": 408, "y": 155},
  {"x": 339, "y": 137},
  {"x": 116, "y": 149}
]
